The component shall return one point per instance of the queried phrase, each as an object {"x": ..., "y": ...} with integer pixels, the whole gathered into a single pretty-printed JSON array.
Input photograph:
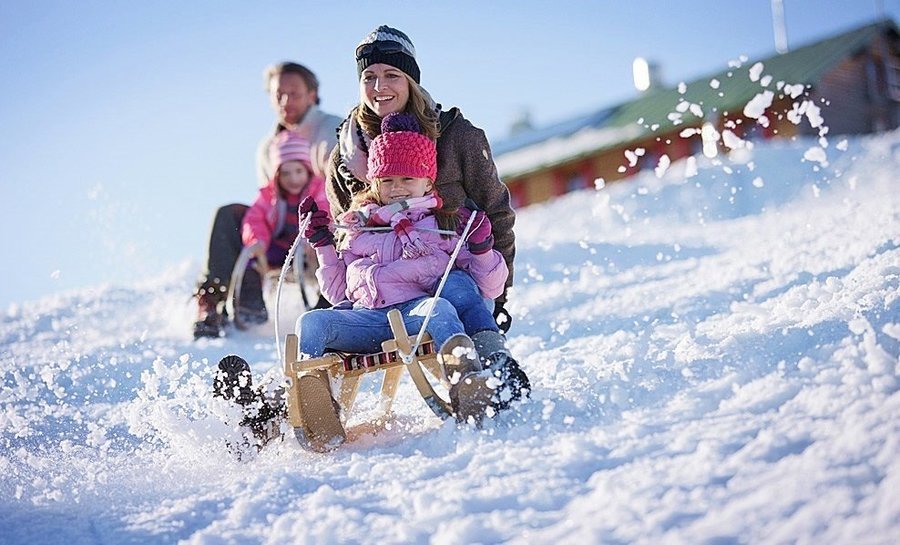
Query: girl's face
[
  {"x": 384, "y": 89},
  {"x": 396, "y": 188},
  {"x": 293, "y": 177}
]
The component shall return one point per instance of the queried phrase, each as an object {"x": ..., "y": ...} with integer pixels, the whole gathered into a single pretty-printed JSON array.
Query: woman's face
[
  {"x": 396, "y": 188},
  {"x": 384, "y": 89}
]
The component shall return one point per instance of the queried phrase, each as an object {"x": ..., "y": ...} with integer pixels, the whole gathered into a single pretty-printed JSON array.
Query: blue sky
[{"x": 126, "y": 124}]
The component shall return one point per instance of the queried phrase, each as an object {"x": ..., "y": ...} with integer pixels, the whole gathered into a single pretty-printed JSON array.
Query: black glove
[{"x": 502, "y": 317}]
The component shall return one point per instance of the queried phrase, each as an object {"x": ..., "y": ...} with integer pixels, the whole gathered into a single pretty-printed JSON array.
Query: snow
[
  {"x": 756, "y": 108},
  {"x": 714, "y": 353},
  {"x": 558, "y": 149}
]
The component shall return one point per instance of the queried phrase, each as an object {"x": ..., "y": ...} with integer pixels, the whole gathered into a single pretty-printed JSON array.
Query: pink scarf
[{"x": 396, "y": 215}]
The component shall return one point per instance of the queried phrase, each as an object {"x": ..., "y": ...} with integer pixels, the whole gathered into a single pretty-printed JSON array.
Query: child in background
[{"x": 270, "y": 225}]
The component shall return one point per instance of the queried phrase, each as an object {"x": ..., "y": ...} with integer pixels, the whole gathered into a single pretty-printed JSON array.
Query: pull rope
[
  {"x": 407, "y": 358},
  {"x": 389, "y": 228},
  {"x": 284, "y": 269}
]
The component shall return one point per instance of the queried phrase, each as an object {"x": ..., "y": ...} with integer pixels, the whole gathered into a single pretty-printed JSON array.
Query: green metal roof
[
  {"x": 651, "y": 111},
  {"x": 804, "y": 65}
]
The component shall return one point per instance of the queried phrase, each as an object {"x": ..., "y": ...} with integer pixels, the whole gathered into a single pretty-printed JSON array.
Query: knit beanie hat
[
  {"x": 288, "y": 146},
  {"x": 387, "y": 45},
  {"x": 402, "y": 150}
]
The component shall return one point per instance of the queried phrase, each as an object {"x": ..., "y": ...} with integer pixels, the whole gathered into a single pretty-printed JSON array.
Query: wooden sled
[
  {"x": 302, "y": 398},
  {"x": 304, "y": 274}
]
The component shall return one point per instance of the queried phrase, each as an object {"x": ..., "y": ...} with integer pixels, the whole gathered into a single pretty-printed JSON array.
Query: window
[
  {"x": 575, "y": 181},
  {"x": 892, "y": 72}
]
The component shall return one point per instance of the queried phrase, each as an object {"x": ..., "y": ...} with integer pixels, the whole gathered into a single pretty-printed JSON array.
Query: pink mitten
[{"x": 480, "y": 238}]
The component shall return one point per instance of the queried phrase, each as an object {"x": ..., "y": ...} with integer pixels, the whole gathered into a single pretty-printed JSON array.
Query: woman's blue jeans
[
  {"x": 363, "y": 330},
  {"x": 475, "y": 312}
]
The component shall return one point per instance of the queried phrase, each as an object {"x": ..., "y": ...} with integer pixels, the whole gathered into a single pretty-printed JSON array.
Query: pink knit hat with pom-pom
[
  {"x": 402, "y": 150},
  {"x": 289, "y": 146}
]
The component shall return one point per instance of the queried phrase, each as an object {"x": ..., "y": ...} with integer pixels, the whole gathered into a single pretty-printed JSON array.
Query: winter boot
[
  {"x": 252, "y": 307},
  {"x": 322, "y": 430},
  {"x": 492, "y": 350},
  {"x": 210, "y": 311},
  {"x": 234, "y": 382},
  {"x": 470, "y": 391}
]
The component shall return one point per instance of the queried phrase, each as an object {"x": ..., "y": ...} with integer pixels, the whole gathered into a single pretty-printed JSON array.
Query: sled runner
[
  {"x": 304, "y": 274},
  {"x": 317, "y": 416}
]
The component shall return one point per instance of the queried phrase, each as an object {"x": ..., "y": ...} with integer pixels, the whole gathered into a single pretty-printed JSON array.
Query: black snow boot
[
  {"x": 211, "y": 317},
  {"x": 234, "y": 382},
  {"x": 252, "y": 307},
  {"x": 514, "y": 383}
]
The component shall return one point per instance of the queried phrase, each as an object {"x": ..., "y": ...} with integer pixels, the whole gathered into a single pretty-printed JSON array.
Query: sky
[
  {"x": 713, "y": 353},
  {"x": 126, "y": 124}
]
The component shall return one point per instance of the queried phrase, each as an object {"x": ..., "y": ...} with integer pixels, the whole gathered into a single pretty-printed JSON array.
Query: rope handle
[
  {"x": 284, "y": 268},
  {"x": 407, "y": 358}
]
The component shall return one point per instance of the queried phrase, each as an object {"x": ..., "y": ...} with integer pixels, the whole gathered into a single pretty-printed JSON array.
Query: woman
[{"x": 389, "y": 82}]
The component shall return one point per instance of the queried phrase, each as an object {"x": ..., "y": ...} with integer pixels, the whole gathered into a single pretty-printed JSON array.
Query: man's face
[{"x": 291, "y": 98}]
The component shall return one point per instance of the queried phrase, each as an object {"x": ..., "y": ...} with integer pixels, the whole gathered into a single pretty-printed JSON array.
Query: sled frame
[
  {"x": 348, "y": 369},
  {"x": 303, "y": 274}
]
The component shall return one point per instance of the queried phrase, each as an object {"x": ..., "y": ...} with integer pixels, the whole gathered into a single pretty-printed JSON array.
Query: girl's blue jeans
[{"x": 359, "y": 330}]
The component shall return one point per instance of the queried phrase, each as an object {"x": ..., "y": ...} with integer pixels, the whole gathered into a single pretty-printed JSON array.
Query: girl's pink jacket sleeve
[
  {"x": 331, "y": 274},
  {"x": 259, "y": 220},
  {"x": 489, "y": 270}
]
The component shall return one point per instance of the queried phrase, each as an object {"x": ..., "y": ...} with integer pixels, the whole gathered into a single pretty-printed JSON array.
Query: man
[{"x": 294, "y": 93}]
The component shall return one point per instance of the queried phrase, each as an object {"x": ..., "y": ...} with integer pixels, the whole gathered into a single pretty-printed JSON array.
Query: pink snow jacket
[
  {"x": 370, "y": 272},
  {"x": 272, "y": 214}
]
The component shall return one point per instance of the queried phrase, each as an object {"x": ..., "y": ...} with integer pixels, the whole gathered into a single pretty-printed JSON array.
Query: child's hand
[
  {"x": 317, "y": 230},
  {"x": 258, "y": 253},
  {"x": 481, "y": 240},
  {"x": 353, "y": 221}
]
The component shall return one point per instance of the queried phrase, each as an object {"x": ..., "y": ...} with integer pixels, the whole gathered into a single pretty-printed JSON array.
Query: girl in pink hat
[
  {"x": 399, "y": 244},
  {"x": 400, "y": 241},
  {"x": 269, "y": 226}
]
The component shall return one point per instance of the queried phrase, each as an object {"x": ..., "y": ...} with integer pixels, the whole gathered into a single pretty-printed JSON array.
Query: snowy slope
[{"x": 714, "y": 355}]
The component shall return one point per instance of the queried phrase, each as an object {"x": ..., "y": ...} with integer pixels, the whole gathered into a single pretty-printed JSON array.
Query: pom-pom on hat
[
  {"x": 386, "y": 45},
  {"x": 289, "y": 146},
  {"x": 402, "y": 150}
]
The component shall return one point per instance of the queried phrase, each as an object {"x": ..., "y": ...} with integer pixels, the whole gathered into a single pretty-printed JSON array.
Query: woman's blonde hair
[{"x": 417, "y": 105}]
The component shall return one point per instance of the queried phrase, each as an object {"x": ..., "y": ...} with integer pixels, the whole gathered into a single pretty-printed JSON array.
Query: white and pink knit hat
[
  {"x": 402, "y": 150},
  {"x": 289, "y": 146}
]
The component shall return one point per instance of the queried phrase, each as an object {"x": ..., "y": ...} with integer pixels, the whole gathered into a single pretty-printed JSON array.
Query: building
[{"x": 846, "y": 84}]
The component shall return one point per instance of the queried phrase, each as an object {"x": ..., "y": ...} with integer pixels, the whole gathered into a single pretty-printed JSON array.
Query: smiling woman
[{"x": 389, "y": 82}]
